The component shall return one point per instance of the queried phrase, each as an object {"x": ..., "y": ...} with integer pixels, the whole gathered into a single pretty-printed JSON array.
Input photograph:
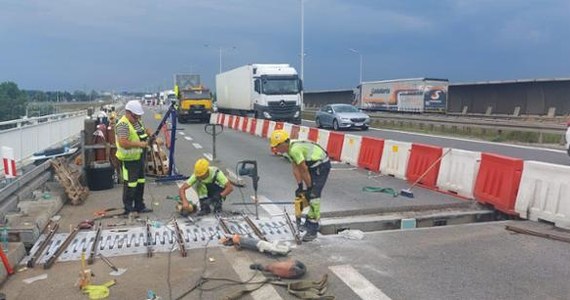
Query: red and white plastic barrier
[
  {"x": 271, "y": 128},
  {"x": 351, "y": 149},
  {"x": 323, "y": 138},
  {"x": 334, "y": 145},
  {"x": 370, "y": 153},
  {"x": 9, "y": 162},
  {"x": 424, "y": 164},
  {"x": 543, "y": 193},
  {"x": 303, "y": 133},
  {"x": 395, "y": 158},
  {"x": 458, "y": 171},
  {"x": 214, "y": 118}
]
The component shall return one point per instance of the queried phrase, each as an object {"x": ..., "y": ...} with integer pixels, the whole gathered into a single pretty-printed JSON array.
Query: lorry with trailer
[
  {"x": 403, "y": 95},
  {"x": 265, "y": 91},
  {"x": 194, "y": 99}
]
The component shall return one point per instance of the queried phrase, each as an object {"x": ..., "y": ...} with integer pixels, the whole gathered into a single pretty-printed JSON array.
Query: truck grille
[
  {"x": 197, "y": 106},
  {"x": 358, "y": 120},
  {"x": 282, "y": 106}
]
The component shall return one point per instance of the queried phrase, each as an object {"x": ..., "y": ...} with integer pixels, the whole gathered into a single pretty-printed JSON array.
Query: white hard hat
[{"x": 135, "y": 107}]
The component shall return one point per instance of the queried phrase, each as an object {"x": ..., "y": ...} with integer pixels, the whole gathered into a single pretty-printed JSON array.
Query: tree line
[{"x": 14, "y": 102}]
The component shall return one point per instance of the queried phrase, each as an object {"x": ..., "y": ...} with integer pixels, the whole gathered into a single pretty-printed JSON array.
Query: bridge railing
[{"x": 27, "y": 136}]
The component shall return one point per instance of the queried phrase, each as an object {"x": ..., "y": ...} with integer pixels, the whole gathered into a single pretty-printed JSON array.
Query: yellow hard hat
[
  {"x": 201, "y": 167},
  {"x": 277, "y": 137}
]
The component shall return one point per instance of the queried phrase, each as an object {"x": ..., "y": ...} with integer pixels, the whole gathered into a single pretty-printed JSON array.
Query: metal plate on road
[{"x": 129, "y": 241}]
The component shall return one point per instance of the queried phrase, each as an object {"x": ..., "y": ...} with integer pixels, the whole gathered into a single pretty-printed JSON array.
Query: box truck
[
  {"x": 265, "y": 91},
  {"x": 194, "y": 99},
  {"x": 405, "y": 95}
]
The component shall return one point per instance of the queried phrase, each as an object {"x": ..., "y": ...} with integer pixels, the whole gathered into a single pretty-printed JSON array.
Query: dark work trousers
[
  {"x": 319, "y": 176},
  {"x": 214, "y": 198},
  {"x": 133, "y": 187}
]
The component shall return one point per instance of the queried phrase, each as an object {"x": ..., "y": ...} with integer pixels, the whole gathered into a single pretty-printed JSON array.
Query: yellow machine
[
  {"x": 194, "y": 103},
  {"x": 300, "y": 203}
]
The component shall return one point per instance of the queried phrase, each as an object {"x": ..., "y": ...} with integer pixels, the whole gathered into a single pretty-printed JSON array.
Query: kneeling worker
[
  {"x": 211, "y": 185},
  {"x": 311, "y": 166}
]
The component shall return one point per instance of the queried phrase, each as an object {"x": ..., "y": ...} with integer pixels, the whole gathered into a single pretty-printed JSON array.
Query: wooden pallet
[
  {"x": 157, "y": 161},
  {"x": 69, "y": 180}
]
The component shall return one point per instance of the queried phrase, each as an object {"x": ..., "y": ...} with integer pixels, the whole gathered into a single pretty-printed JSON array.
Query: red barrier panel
[
  {"x": 223, "y": 119},
  {"x": 370, "y": 153},
  {"x": 314, "y": 134},
  {"x": 253, "y": 126},
  {"x": 219, "y": 118},
  {"x": 295, "y": 132},
  {"x": 236, "y": 123},
  {"x": 422, "y": 157},
  {"x": 265, "y": 128},
  {"x": 278, "y": 125},
  {"x": 244, "y": 124},
  {"x": 498, "y": 181},
  {"x": 334, "y": 146},
  {"x": 231, "y": 121}
]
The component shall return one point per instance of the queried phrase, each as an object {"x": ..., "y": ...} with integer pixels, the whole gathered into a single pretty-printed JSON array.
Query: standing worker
[
  {"x": 211, "y": 185},
  {"x": 311, "y": 166},
  {"x": 132, "y": 141}
]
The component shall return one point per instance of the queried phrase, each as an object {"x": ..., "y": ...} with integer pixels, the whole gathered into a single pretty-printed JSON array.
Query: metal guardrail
[{"x": 467, "y": 122}]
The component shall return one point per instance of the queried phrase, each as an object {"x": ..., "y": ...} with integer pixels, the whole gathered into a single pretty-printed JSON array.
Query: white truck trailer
[
  {"x": 405, "y": 95},
  {"x": 265, "y": 91}
]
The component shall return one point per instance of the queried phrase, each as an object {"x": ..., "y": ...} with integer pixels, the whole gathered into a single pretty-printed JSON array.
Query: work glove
[
  {"x": 299, "y": 191},
  {"x": 308, "y": 193}
]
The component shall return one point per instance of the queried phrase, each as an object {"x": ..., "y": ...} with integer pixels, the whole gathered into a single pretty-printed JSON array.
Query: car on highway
[{"x": 341, "y": 116}]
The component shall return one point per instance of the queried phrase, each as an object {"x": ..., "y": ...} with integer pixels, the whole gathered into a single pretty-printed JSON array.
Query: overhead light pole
[
  {"x": 360, "y": 54},
  {"x": 220, "y": 50}
]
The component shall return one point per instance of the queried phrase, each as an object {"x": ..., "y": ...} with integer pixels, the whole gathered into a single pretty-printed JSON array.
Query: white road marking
[
  {"x": 464, "y": 140},
  {"x": 197, "y": 146},
  {"x": 240, "y": 262},
  {"x": 181, "y": 133},
  {"x": 208, "y": 156},
  {"x": 358, "y": 283},
  {"x": 273, "y": 209},
  {"x": 188, "y": 138}
]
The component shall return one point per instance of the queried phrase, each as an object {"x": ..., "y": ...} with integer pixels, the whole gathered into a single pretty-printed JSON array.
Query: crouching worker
[{"x": 211, "y": 185}]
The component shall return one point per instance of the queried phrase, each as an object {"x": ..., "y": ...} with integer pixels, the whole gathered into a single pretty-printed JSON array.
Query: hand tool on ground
[
  {"x": 180, "y": 209},
  {"x": 116, "y": 271},
  {"x": 303, "y": 289},
  {"x": 98, "y": 291},
  {"x": 290, "y": 269},
  {"x": 52, "y": 229},
  {"x": 95, "y": 244},
  {"x": 180, "y": 239},
  {"x": 85, "y": 274},
  {"x": 240, "y": 241},
  {"x": 255, "y": 229},
  {"x": 86, "y": 224},
  {"x": 294, "y": 231},
  {"x": 224, "y": 226},
  {"x": 408, "y": 192},
  {"x": 6, "y": 262},
  {"x": 61, "y": 248},
  {"x": 104, "y": 212}
]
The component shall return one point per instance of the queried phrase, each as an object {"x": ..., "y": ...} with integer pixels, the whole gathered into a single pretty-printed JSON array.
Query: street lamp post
[
  {"x": 360, "y": 54},
  {"x": 220, "y": 49}
]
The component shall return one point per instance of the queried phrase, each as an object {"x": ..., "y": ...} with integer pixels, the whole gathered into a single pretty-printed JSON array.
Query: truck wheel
[
  {"x": 318, "y": 123},
  {"x": 335, "y": 125}
]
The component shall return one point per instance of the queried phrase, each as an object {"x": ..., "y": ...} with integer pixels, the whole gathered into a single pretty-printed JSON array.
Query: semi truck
[
  {"x": 404, "y": 95},
  {"x": 194, "y": 99},
  {"x": 265, "y": 91}
]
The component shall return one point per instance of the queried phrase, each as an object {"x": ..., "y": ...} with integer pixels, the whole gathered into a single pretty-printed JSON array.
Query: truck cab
[
  {"x": 194, "y": 103},
  {"x": 277, "y": 97}
]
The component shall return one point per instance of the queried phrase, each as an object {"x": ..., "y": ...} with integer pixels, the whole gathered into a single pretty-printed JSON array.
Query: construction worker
[
  {"x": 211, "y": 185},
  {"x": 311, "y": 166},
  {"x": 132, "y": 140}
]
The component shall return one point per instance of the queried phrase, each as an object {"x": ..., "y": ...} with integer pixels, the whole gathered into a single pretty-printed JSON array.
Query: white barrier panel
[
  {"x": 271, "y": 128},
  {"x": 214, "y": 118},
  {"x": 395, "y": 156},
  {"x": 259, "y": 127},
  {"x": 304, "y": 133},
  {"x": 226, "y": 121},
  {"x": 288, "y": 127},
  {"x": 458, "y": 172},
  {"x": 544, "y": 193},
  {"x": 323, "y": 138},
  {"x": 351, "y": 149}
]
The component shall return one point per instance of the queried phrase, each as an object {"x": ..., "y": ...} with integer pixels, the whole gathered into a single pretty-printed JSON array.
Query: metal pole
[
  {"x": 360, "y": 68},
  {"x": 220, "y": 61},
  {"x": 214, "y": 144},
  {"x": 302, "y": 51}
]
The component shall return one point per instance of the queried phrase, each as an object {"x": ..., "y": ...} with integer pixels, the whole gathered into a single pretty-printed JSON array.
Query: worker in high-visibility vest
[
  {"x": 311, "y": 167},
  {"x": 132, "y": 141}
]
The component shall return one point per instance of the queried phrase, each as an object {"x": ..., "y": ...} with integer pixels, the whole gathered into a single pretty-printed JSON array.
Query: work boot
[
  {"x": 312, "y": 229},
  {"x": 204, "y": 208}
]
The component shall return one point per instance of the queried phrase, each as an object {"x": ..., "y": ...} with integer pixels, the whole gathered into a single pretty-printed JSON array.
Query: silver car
[{"x": 341, "y": 116}]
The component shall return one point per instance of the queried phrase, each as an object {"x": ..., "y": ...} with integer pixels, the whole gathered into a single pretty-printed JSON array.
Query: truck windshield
[
  {"x": 280, "y": 86},
  {"x": 194, "y": 95}
]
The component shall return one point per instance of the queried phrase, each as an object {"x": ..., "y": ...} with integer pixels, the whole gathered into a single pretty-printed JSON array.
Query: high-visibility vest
[{"x": 131, "y": 153}]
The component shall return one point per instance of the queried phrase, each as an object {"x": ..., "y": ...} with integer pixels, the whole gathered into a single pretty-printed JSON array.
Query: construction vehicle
[{"x": 194, "y": 99}]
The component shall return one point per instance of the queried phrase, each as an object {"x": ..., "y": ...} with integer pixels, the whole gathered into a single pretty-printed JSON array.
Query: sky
[{"x": 137, "y": 45}]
